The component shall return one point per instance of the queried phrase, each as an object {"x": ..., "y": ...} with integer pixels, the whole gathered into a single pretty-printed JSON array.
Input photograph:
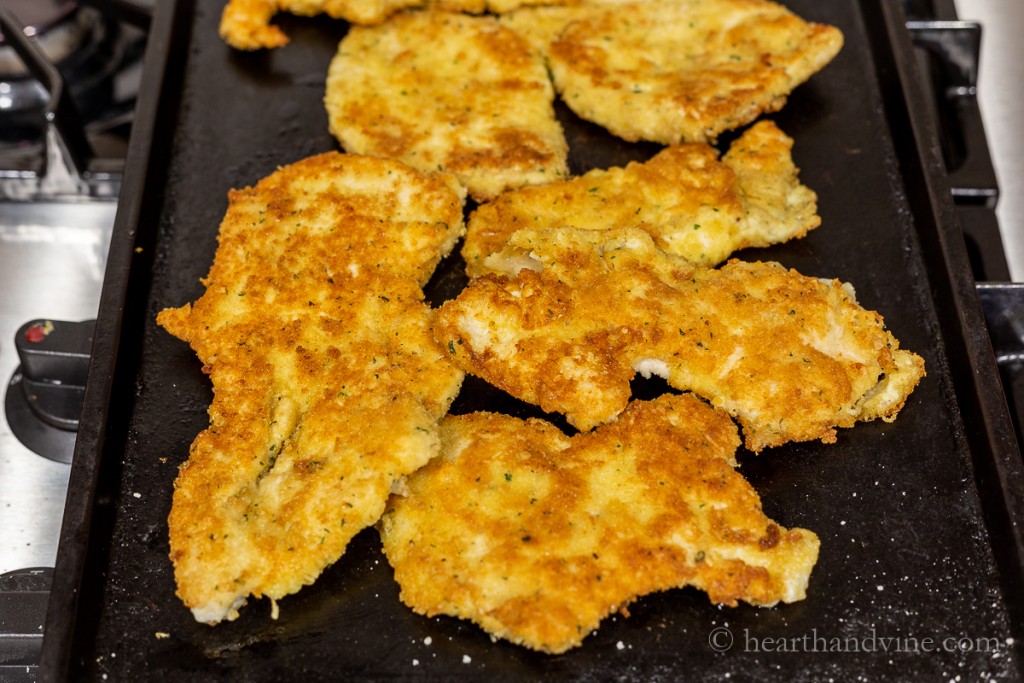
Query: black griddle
[{"x": 920, "y": 570}]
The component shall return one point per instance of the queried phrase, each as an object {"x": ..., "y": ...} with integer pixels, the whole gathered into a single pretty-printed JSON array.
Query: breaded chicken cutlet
[
  {"x": 328, "y": 386},
  {"x": 536, "y": 536},
  {"x": 676, "y": 70},
  {"x": 492, "y": 6},
  {"x": 477, "y": 104},
  {"x": 246, "y": 24},
  {"x": 542, "y": 25},
  {"x": 790, "y": 357},
  {"x": 693, "y": 204}
]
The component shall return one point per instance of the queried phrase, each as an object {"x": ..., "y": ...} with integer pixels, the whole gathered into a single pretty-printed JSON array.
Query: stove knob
[{"x": 54, "y": 359}]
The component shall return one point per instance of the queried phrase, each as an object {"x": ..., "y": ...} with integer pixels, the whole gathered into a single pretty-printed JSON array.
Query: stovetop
[
  {"x": 60, "y": 171},
  {"x": 52, "y": 258},
  {"x": 1001, "y": 99},
  {"x": 51, "y": 266}
]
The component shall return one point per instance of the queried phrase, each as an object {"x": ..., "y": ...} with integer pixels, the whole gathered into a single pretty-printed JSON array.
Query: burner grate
[{"x": 67, "y": 121}]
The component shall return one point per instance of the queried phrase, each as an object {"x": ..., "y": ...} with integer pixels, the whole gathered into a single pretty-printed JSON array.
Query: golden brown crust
[
  {"x": 791, "y": 357},
  {"x": 684, "y": 70},
  {"x": 245, "y": 24},
  {"x": 777, "y": 207},
  {"x": 692, "y": 204},
  {"x": 542, "y": 25},
  {"x": 536, "y": 537},
  {"x": 328, "y": 385},
  {"x": 477, "y": 104},
  {"x": 493, "y": 6}
]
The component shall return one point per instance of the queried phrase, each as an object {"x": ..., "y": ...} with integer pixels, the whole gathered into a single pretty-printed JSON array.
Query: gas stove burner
[
  {"x": 85, "y": 47},
  {"x": 44, "y": 396},
  {"x": 69, "y": 77},
  {"x": 50, "y": 23}
]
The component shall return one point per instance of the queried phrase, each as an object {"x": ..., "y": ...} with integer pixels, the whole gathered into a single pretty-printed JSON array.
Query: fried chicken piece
[
  {"x": 245, "y": 24},
  {"x": 536, "y": 536},
  {"x": 492, "y": 6},
  {"x": 478, "y": 104},
  {"x": 677, "y": 70},
  {"x": 692, "y": 204},
  {"x": 328, "y": 386},
  {"x": 542, "y": 25},
  {"x": 790, "y": 357}
]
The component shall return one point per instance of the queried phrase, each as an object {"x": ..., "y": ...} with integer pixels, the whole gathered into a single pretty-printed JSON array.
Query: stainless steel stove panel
[
  {"x": 1001, "y": 94},
  {"x": 52, "y": 258}
]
